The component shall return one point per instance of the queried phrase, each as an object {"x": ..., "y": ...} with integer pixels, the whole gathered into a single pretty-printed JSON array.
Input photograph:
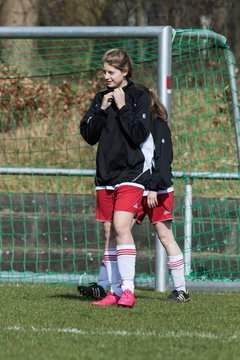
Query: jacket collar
[{"x": 129, "y": 83}]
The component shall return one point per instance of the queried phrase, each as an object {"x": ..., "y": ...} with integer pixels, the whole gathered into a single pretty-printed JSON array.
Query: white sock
[
  {"x": 103, "y": 276},
  {"x": 126, "y": 257},
  {"x": 114, "y": 277},
  {"x": 176, "y": 268}
]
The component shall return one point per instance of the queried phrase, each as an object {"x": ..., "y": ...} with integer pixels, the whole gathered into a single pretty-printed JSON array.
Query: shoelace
[{"x": 127, "y": 293}]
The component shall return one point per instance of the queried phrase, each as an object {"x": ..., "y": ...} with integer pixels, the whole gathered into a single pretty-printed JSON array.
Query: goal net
[{"x": 48, "y": 231}]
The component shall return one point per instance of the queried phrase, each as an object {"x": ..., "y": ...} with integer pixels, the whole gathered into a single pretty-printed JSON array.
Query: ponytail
[{"x": 157, "y": 107}]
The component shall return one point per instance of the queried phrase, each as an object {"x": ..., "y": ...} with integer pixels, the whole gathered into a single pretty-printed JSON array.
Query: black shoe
[
  {"x": 179, "y": 296},
  {"x": 93, "y": 291}
]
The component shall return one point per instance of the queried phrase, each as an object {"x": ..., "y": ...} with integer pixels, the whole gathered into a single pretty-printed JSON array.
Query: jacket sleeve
[
  {"x": 162, "y": 172},
  {"x": 92, "y": 124},
  {"x": 135, "y": 119}
]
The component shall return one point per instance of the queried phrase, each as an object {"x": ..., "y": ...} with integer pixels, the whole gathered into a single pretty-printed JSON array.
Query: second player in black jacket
[{"x": 161, "y": 178}]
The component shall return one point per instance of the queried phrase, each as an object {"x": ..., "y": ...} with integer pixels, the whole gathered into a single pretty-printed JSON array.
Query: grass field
[{"x": 54, "y": 322}]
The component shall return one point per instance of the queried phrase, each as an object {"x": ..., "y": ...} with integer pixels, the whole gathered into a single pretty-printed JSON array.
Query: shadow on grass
[
  {"x": 150, "y": 295},
  {"x": 70, "y": 297},
  {"x": 151, "y": 298}
]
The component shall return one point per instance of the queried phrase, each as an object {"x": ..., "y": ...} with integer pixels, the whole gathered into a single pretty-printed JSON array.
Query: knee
[
  {"x": 163, "y": 238},
  {"x": 108, "y": 232},
  {"x": 165, "y": 233},
  {"x": 121, "y": 228},
  {"x": 162, "y": 233},
  {"x": 122, "y": 223}
]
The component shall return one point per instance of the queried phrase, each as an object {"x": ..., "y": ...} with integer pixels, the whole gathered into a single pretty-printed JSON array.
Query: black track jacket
[
  {"x": 163, "y": 155},
  {"x": 120, "y": 135}
]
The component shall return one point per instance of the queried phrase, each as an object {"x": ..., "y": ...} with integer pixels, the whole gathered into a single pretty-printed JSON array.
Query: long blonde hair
[{"x": 157, "y": 107}]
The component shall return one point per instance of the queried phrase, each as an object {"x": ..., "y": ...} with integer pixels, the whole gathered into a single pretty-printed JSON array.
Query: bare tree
[
  {"x": 18, "y": 13},
  {"x": 224, "y": 14}
]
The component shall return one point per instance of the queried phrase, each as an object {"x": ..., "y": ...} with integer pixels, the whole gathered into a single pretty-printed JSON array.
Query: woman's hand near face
[
  {"x": 119, "y": 97},
  {"x": 107, "y": 101}
]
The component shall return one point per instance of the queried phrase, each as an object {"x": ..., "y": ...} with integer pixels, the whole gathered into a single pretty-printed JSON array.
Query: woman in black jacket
[
  {"x": 157, "y": 203},
  {"x": 119, "y": 121}
]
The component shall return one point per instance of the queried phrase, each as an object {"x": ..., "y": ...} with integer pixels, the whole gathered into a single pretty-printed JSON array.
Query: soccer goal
[{"x": 48, "y": 77}]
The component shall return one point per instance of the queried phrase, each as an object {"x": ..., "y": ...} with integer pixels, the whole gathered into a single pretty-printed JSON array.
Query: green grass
[{"x": 54, "y": 322}]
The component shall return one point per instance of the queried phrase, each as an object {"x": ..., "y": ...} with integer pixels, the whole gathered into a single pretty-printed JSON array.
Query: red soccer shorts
[
  {"x": 162, "y": 212},
  {"x": 123, "y": 198}
]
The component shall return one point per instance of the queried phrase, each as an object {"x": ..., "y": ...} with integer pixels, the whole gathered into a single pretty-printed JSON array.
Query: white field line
[{"x": 165, "y": 334}]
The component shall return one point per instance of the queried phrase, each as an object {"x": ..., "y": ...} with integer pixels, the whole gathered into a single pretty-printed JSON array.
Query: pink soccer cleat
[
  {"x": 127, "y": 299},
  {"x": 110, "y": 299}
]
